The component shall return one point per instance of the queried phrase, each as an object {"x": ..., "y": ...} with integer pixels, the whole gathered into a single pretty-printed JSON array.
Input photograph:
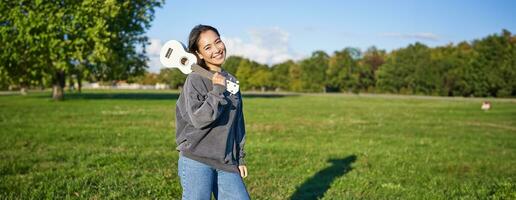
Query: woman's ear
[{"x": 199, "y": 54}]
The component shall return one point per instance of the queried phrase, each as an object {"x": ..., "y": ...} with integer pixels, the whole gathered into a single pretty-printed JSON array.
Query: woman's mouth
[{"x": 219, "y": 55}]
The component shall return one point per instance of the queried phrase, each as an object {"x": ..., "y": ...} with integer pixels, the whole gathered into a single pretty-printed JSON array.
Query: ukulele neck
[{"x": 203, "y": 72}]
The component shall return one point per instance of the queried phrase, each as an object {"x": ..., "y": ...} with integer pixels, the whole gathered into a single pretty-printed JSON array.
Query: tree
[
  {"x": 313, "y": 74},
  {"x": 21, "y": 55},
  {"x": 294, "y": 76},
  {"x": 342, "y": 71},
  {"x": 449, "y": 62},
  {"x": 261, "y": 78},
  {"x": 494, "y": 66},
  {"x": 148, "y": 78},
  {"x": 372, "y": 60},
  {"x": 244, "y": 72},
  {"x": 408, "y": 69},
  {"x": 280, "y": 75},
  {"x": 50, "y": 39},
  {"x": 231, "y": 64},
  {"x": 173, "y": 77}
]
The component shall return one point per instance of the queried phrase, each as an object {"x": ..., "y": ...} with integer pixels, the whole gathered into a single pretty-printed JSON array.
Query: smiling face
[{"x": 211, "y": 49}]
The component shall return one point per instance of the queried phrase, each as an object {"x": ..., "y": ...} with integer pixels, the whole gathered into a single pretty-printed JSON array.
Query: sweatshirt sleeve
[
  {"x": 241, "y": 134},
  {"x": 203, "y": 108}
]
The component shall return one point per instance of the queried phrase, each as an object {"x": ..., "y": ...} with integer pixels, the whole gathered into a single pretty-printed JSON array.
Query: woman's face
[{"x": 211, "y": 48}]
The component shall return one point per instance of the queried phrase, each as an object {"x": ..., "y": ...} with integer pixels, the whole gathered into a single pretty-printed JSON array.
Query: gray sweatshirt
[{"x": 210, "y": 123}]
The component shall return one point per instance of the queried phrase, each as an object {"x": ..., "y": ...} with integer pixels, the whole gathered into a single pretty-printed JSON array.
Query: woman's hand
[
  {"x": 243, "y": 170},
  {"x": 218, "y": 79}
]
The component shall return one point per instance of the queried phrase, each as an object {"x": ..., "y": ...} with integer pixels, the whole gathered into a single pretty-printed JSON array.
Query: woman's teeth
[{"x": 217, "y": 56}]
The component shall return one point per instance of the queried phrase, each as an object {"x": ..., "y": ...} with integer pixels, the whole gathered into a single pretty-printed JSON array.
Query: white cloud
[
  {"x": 154, "y": 64},
  {"x": 419, "y": 36},
  {"x": 154, "y": 47},
  {"x": 153, "y": 52},
  {"x": 266, "y": 46}
]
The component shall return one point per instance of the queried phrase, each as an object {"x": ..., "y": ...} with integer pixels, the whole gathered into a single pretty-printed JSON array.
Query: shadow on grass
[
  {"x": 148, "y": 95},
  {"x": 318, "y": 184}
]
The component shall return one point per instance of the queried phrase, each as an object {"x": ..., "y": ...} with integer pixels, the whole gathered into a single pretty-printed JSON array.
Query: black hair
[{"x": 193, "y": 39}]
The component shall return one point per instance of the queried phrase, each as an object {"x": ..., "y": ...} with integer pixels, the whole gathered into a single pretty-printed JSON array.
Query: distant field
[{"x": 120, "y": 145}]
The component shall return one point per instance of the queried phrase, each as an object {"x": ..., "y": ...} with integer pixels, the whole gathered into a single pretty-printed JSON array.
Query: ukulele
[{"x": 174, "y": 55}]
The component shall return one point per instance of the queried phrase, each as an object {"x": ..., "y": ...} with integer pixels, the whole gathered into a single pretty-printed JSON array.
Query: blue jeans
[{"x": 199, "y": 181}]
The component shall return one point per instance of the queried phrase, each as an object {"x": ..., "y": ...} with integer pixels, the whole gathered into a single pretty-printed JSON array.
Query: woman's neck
[{"x": 214, "y": 68}]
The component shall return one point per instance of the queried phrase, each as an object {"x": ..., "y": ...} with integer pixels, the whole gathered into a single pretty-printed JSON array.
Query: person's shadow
[{"x": 318, "y": 184}]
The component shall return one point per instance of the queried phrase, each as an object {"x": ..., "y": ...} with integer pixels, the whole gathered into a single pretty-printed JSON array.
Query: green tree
[
  {"x": 494, "y": 66},
  {"x": 371, "y": 61},
  {"x": 173, "y": 77},
  {"x": 261, "y": 78},
  {"x": 231, "y": 64},
  {"x": 449, "y": 61},
  {"x": 408, "y": 70},
  {"x": 51, "y": 39},
  {"x": 342, "y": 71},
  {"x": 244, "y": 73},
  {"x": 22, "y": 52},
  {"x": 294, "y": 76},
  {"x": 313, "y": 70},
  {"x": 280, "y": 76}
]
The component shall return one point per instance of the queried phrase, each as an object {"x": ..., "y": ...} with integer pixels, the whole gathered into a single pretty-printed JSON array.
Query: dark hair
[{"x": 193, "y": 39}]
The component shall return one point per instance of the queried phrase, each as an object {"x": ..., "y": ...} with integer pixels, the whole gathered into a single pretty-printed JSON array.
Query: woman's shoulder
[
  {"x": 197, "y": 82},
  {"x": 194, "y": 78}
]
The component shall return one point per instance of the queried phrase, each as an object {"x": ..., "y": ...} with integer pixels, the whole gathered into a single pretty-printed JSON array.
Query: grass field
[{"x": 120, "y": 145}]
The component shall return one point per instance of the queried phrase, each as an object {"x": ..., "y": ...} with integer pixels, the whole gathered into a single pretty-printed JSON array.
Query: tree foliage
[
  {"x": 312, "y": 72},
  {"x": 173, "y": 77},
  {"x": 47, "y": 40}
]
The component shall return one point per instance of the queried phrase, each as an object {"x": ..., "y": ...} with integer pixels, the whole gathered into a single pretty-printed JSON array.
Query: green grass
[{"x": 120, "y": 145}]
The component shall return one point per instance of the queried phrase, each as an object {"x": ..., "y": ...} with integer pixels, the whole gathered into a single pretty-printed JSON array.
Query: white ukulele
[{"x": 174, "y": 55}]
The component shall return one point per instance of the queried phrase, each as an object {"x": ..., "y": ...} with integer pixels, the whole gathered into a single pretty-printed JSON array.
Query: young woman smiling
[{"x": 210, "y": 129}]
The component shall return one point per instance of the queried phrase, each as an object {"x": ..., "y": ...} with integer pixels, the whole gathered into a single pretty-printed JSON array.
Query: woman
[{"x": 210, "y": 132}]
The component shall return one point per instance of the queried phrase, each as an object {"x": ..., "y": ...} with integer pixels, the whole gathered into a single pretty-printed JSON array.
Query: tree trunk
[
  {"x": 71, "y": 84},
  {"x": 79, "y": 83},
  {"x": 80, "y": 71},
  {"x": 58, "y": 85}
]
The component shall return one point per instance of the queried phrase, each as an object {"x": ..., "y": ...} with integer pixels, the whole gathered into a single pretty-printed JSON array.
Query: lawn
[{"x": 120, "y": 145}]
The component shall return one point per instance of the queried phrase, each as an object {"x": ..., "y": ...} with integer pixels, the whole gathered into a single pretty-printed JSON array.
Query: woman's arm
[
  {"x": 241, "y": 141},
  {"x": 203, "y": 107},
  {"x": 241, "y": 133}
]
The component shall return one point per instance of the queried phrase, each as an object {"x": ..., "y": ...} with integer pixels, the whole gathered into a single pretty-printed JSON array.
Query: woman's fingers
[
  {"x": 218, "y": 79},
  {"x": 243, "y": 171}
]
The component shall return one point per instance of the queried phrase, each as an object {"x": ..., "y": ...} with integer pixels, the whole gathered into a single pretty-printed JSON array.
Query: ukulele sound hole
[{"x": 184, "y": 61}]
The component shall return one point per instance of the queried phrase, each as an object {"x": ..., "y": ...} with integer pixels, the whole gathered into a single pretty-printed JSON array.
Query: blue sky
[{"x": 273, "y": 31}]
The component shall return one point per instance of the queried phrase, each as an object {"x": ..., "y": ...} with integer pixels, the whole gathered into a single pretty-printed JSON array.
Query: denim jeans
[{"x": 199, "y": 181}]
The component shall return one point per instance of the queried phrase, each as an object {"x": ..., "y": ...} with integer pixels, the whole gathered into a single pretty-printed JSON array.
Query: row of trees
[
  {"x": 46, "y": 43},
  {"x": 49, "y": 42},
  {"x": 483, "y": 67}
]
